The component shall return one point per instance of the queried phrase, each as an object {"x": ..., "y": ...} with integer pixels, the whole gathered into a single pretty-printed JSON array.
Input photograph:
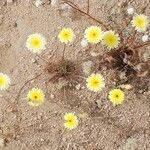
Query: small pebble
[
  {"x": 2, "y": 142},
  {"x": 10, "y": 1},
  {"x": 52, "y": 96},
  {"x": 78, "y": 86},
  {"x": 84, "y": 43},
  {"x": 145, "y": 38},
  {"x": 54, "y": 2},
  {"x": 130, "y": 10},
  {"x": 38, "y": 3}
]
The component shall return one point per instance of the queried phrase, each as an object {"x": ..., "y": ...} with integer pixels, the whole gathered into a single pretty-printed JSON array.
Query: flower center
[
  {"x": 95, "y": 82},
  {"x": 141, "y": 22},
  {"x": 117, "y": 96},
  {"x": 94, "y": 34},
  {"x": 1, "y": 81},
  {"x": 36, "y": 42},
  {"x": 35, "y": 97},
  {"x": 69, "y": 120}
]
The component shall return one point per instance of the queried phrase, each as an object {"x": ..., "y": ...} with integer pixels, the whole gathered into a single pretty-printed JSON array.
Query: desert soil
[{"x": 101, "y": 126}]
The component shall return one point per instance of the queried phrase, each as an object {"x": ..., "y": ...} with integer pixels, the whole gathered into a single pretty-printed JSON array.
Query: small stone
[
  {"x": 94, "y": 53},
  {"x": 65, "y": 7},
  {"x": 83, "y": 87},
  {"x": 87, "y": 67},
  {"x": 52, "y": 96},
  {"x": 33, "y": 60},
  {"x": 42, "y": 140},
  {"x": 130, "y": 10},
  {"x": 126, "y": 86},
  {"x": 38, "y": 3},
  {"x": 122, "y": 75},
  {"x": 10, "y": 1},
  {"x": 78, "y": 86},
  {"x": 84, "y": 43},
  {"x": 54, "y": 2},
  {"x": 2, "y": 142},
  {"x": 145, "y": 38}
]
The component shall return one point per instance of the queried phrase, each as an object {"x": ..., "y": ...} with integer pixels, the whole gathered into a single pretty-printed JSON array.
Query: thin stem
[
  {"x": 88, "y": 6},
  {"x": 19, "y": 93},
  {"x": 63, "y": 54},
  {"x": 79, "y": 10},
  {"x": 42, "y": 58}
]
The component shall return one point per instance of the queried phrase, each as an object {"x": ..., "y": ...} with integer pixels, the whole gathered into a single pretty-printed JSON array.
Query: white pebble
[
  {"x": 38, "y": 3},
  {"x": 130, "y": 10},
  {"x": 53, "y": 2},
  {"x": 145, "y": 38},
  {"x": 2, "y": 142},
  {"x": 84, "y": 43},
  {"x": 78, "y": 86},
  {"x": 66, "y": 8},
  {"x": 52, "y": 96},
  {"x": 9, "y": 1}
]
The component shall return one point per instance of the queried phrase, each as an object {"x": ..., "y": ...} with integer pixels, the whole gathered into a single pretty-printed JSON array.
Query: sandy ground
[{"x": 125, "y": 127}]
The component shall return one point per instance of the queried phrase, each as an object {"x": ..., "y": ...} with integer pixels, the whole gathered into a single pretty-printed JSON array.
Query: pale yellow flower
[
  {"x": 111, "y": 39},
  {"x": 140, "y": 22},
  {"x": 35, "y": 97},
  {"x": 93, "y": 34},
  {"x": 71, "y": 121},
  {"x": 4, "y": 81},
  {"x": 36, "y": 43},
  {"x": 95, "y": 82},
  {"x": 66, "y": 35},
  {"x": 116, "y": 96}
]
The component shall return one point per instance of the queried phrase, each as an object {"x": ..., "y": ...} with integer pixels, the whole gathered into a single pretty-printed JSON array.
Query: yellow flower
[
  {"x": 116, "y": 96},
  {"x": 35, "y": 97},
  {"x": 66, "y": 35},
  {"x": 95, "y": 82},
  {"x": 36, "y": 43},
  {"x": 93, "y": 34},
  {"x": 71, "y": 121},
  {"x": 140, "y": 22},
  {"x": 4, "y": 81},
  {"x": 111, "y": 39}
]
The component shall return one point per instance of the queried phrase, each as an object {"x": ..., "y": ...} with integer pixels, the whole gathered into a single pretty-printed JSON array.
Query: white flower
[
  {"x": 38, "y": 3},
  {"x": 130, "y": 10},
  {"x": 84, "y": 43},
  {"x": 36, "y": 43},
  {"x": 145, "y": 38}
]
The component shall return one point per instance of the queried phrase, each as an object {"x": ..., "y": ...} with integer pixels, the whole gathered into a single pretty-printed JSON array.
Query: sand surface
[{"x": 102, "y": 126}]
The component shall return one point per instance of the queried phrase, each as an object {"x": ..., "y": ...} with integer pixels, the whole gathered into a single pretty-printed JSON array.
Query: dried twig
[
  {"x": 63, "y": 55},
  {"x": 88, "y": 6},
  {"x": 19, "y": 93},
  {"x": 79, "y": 10},
  {"x": 143, "y": 45}
]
